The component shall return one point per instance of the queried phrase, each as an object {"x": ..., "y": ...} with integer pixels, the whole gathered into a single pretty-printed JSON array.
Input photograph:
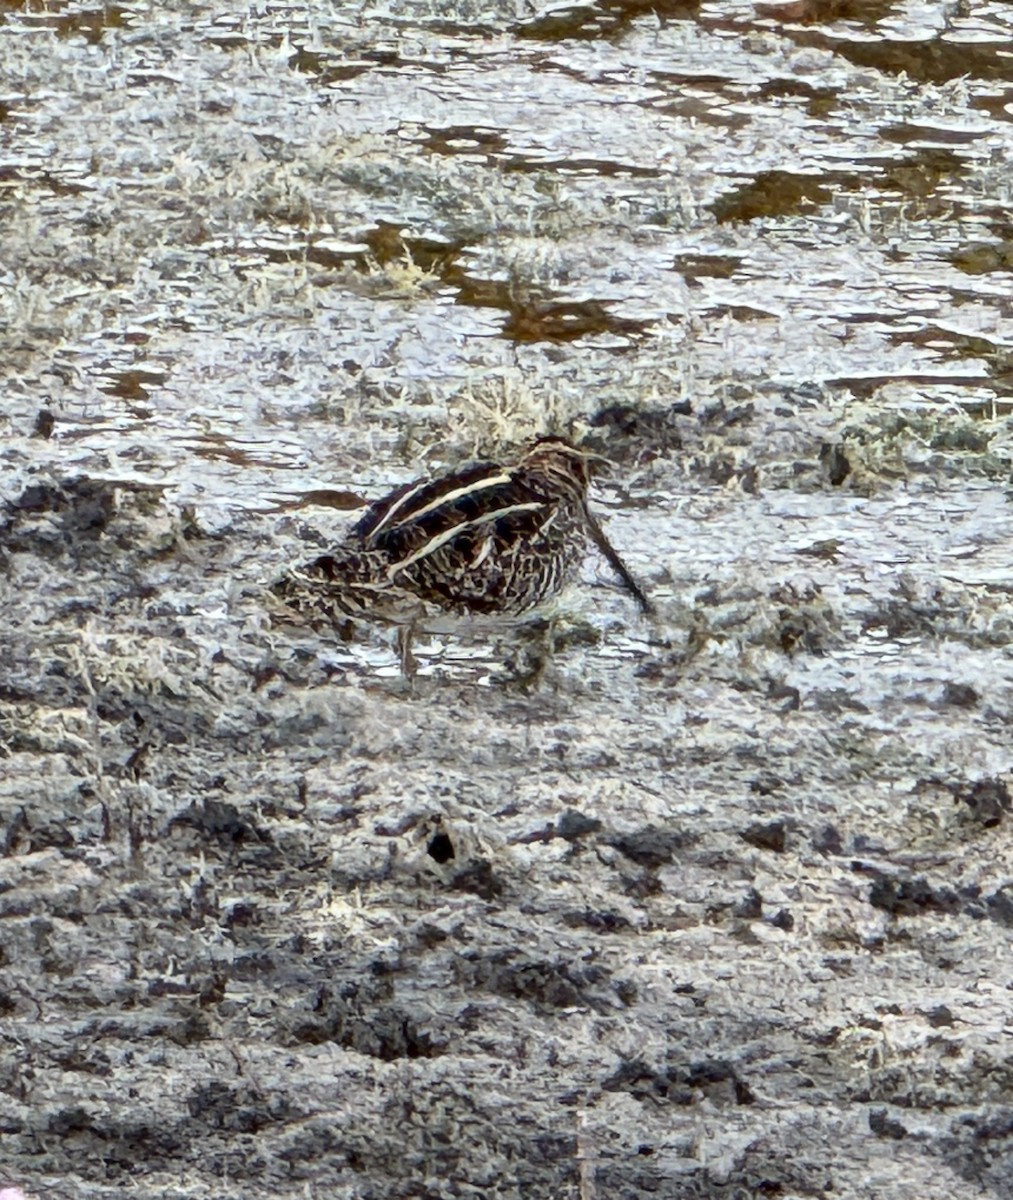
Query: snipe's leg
[
  {"x": 535, "y": 644},
  {"x": 409, "y": 664}
]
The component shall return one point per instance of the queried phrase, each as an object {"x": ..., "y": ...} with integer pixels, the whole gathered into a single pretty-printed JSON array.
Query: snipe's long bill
[{"x": 491, "y": 539}]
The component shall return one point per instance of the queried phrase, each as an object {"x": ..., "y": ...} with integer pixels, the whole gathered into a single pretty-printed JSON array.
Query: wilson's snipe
[{"x": 488, "y": 539}]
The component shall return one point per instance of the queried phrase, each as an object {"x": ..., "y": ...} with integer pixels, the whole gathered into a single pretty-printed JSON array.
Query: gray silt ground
[{"x": 729, "y": 904}]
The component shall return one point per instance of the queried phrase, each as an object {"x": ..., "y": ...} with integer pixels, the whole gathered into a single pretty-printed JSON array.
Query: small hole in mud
[{"x": 440, "y": 848}]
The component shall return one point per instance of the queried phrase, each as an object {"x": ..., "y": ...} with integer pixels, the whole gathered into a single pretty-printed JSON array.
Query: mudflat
[{"x": 709, "y": 903}]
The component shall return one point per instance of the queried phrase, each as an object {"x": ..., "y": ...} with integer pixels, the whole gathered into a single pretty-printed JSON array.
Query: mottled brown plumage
[{"x": 488, "y": 539}]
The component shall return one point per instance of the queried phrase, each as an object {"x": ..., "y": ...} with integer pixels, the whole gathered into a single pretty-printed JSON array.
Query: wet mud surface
[{"x": 715, "y": 903}]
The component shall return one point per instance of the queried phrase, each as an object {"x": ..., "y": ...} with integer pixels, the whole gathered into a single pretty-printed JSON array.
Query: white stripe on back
[
  {"x": 448, "y": 535},
  {"x": 477, "y": 485}
]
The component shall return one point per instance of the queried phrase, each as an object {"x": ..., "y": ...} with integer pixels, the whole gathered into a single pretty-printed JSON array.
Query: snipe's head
[{"x": 563, "y": 463}]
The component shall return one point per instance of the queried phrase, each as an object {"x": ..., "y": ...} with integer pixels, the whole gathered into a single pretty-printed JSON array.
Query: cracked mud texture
[{"x": 712, "y": 905}]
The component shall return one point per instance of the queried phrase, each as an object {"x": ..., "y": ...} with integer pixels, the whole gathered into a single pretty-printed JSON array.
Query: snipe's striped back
[{"x": 490, "y": 538}]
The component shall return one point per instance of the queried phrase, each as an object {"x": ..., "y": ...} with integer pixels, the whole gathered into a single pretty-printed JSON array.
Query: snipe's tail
[{"x": 345, "y": 583}]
